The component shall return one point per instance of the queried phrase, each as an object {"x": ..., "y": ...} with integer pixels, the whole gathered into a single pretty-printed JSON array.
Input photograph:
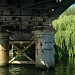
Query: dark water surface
[{"x": 65, "y": 66}]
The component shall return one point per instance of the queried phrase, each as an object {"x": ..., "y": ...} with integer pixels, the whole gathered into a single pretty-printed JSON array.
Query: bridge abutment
[
  {"x": 4, "y": 47},
  {"x": 44, "y": 41}
]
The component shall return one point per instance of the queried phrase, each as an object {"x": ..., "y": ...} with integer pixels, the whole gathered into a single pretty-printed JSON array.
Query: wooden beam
[
  {"x": 28, "y": 57},
  {"x": 21, "y": 52},
  {"x": 22, "y": 62},
  {"x": 19, "y": 42}
]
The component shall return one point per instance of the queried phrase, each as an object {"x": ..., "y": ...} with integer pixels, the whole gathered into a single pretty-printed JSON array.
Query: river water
[{"x": 65, "y": 66}]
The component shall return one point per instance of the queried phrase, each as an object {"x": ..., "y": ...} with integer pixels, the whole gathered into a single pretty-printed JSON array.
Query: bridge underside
[{"x": 21, "y": 17}]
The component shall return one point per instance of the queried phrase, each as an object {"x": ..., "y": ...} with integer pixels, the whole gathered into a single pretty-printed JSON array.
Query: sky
[{"x": 73, "y": 4}]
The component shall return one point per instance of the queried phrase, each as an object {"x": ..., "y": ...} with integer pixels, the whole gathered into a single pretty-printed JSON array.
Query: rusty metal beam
[
  {"x": 36, "y": 7},
  {"x": 23, "y": 15},
  {"x": 36, "y": 3},
  {"x": 32, "y": 6},
  {"x": 59, "y": 10}
]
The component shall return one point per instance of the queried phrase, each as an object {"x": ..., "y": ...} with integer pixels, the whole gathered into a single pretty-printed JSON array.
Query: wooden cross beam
[{"x": 22, "y": 52}]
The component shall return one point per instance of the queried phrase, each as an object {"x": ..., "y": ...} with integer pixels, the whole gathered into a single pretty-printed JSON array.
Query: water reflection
[
  {"x": 4, "y": 71},
  {"x": 45, "y": 72},
  {"x": 64, "y": 66},
  {"x": 29, "y": 70},
  {"x": 24, "y": 70}
]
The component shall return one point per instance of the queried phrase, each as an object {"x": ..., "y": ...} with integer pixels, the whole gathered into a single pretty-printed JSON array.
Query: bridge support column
[
  {"x": 4, "y": 48},
  {"x": 44, "y": 53}
]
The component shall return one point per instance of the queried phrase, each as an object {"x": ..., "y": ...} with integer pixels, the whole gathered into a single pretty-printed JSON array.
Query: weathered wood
[
  {"x": 19, "y": 42},
  {"x": 22, "y": 62},
  {"x": 28, "y": 57},
  {"x": 21, "y": 52}
]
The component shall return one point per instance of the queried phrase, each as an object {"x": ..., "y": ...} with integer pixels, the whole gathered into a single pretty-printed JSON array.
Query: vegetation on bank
[{"x": 65, "y": 35}]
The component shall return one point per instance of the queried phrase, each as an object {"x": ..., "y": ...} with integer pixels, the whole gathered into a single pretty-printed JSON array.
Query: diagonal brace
[{"x": 21, "y": 52}]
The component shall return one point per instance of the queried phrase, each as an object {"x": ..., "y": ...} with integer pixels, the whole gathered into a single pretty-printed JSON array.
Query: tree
[{"x": 65, "y": 36}]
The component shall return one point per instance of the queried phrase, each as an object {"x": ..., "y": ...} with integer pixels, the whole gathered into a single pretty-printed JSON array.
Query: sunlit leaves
[{"x": 65, "y": 27}]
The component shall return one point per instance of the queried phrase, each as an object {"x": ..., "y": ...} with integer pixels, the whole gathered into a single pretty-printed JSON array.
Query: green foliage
[{"x": 65, "y": 36}]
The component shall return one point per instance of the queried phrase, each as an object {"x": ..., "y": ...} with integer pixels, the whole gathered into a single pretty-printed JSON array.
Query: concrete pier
[
  {"x": 4, "y": 47},
  {"x": 44, "y": 53}
]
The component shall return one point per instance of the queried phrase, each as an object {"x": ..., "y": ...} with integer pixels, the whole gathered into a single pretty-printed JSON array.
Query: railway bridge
[{"x": 27, "y": 24}]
